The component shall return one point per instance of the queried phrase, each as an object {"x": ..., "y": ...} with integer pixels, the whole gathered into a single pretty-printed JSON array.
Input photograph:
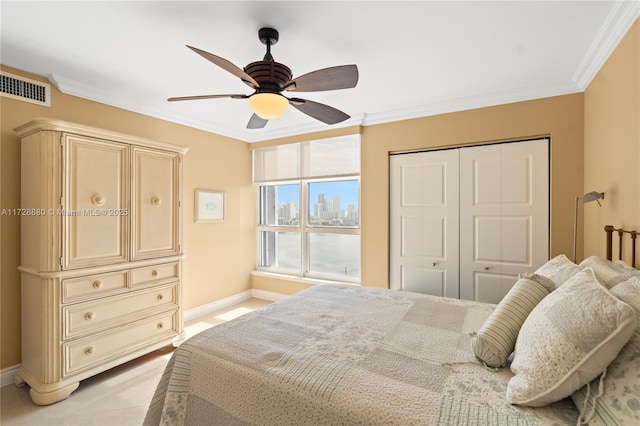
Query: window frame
[{"x": 304, "y": 228}]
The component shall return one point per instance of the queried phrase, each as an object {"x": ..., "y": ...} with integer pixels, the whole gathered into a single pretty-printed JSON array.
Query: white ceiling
[{"x": 415, "y": 58}]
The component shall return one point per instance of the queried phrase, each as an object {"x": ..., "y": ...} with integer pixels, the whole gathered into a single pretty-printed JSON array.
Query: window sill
[{"x": 305, "y": 280}]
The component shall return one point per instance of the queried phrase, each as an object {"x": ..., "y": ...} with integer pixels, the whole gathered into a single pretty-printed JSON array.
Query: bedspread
[{"x": 340, "y": 354}]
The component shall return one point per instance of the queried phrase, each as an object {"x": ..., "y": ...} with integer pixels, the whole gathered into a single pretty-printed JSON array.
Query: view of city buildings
[{"x": 325, "y": 212}]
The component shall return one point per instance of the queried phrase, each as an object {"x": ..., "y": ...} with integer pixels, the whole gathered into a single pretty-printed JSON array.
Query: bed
[{"x": 344, "y": 354}]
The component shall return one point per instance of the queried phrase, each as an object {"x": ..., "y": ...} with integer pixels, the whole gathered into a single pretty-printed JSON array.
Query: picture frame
[{"x": 209, "y": 205}]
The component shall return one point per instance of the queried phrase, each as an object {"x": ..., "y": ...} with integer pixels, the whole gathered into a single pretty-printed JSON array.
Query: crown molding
[
  {"x": 74, "y": 88},
  {"x": 622, "y": 15},
  {"x": 474, "y": 102}
]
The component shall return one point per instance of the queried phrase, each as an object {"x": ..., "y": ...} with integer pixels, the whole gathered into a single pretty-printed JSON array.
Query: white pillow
[
  {"x": 559, "y": 269},
  {"x": 620, "y": 402},
  {"x": 495, "y": 340},
  {"x": 608, "y": 272},
  {"x": 568, "y": 340}
]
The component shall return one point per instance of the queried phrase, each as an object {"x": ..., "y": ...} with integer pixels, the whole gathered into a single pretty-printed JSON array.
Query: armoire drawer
[
  {"x": 94, "y": 316},
  {"x": 94, "y": 286},
  {"x": 153, "y": 275},
  {"x": 91, "y": 351}
]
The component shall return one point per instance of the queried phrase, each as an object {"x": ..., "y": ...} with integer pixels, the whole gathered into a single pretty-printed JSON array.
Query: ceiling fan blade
[
  {"x": 227, "y": 66},
  {"x": 194, "y": 98},
  {"x": 322, "y": 112},
  {"x": 334, "y": 78},
  {"x": 256, "y": 122}
]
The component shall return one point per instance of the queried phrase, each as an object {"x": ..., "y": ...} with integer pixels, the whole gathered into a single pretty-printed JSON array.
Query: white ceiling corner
[{"x": 430, "y": 57}]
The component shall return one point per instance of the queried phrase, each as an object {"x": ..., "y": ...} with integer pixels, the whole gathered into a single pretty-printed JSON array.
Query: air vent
[{"x": 24, "y": 89}]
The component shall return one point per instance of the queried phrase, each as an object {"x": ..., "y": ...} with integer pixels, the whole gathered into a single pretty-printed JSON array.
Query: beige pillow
[
  {"x": 619, "y": 403},
  {"x": 568, "y": 340},
  {"x": 609, "y": 273},
  {"x": 495, "y": 340},
  {"x": 559, "y": 269}
]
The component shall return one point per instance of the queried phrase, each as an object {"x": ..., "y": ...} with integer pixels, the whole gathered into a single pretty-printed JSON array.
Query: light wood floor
[{"x": 119, "y": 396}]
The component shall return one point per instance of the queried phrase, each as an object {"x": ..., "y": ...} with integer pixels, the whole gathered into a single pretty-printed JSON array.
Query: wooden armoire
[{"x": 101, "y": 252}]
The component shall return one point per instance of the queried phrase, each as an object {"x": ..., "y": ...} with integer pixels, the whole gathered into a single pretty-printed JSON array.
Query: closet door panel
[
  {"x": 486, "y": 248},
  {"x": 525, "y": 206},
  {"x": 504, "y": 216},
  {"x": 516, "y": 240},
  {"x": 491, "y": 287},
  {"x": 424, "y": 216}
]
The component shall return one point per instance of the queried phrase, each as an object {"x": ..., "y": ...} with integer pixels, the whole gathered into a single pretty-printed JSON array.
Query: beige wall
[
  {"x": 560, "y": 117},
  {"x": 219, "y": 256},
  {"x": 612, "y": 145}
]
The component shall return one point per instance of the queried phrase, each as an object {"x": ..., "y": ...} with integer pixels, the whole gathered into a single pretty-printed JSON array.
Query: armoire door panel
[
  {"x": 95, "y": 210},
  {"x": 154, "y": 206}
]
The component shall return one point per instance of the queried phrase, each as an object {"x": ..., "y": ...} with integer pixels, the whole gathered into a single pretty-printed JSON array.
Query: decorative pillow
[
  {"x": 559, "y": 269},
  {"x": 568, "y": 340},
  {"x": 608, "y": 272},
  {"x": 495, "y": 340},
  {"x": 619, "y": 403}
]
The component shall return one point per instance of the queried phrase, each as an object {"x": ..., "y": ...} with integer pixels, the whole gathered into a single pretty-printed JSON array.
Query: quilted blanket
[{"x": 343, "y": 355}]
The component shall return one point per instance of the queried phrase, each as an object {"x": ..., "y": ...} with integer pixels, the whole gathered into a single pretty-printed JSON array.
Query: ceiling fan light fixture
[{"x": 268, "y": 106}]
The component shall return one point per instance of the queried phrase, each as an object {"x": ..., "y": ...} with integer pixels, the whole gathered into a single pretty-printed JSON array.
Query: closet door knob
[{"x": 98, "y": 200}]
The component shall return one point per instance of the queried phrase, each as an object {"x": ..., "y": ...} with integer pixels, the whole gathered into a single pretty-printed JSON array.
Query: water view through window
[{"x": 331, "y": 204}]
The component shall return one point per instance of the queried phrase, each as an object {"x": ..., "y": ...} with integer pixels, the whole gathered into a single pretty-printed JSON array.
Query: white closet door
[
  {"x": 424, "y": 223},
  {"x": 504, "y": 216}
]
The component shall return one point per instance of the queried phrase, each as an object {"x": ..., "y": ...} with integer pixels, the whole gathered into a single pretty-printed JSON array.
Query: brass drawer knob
[
  {"x": 89, "y": 316},
  {"x": 160, "y": 298},
  {"x": 156, "y": 201},
  {"x": 97, "y": 284},
  {"x": 89, "y": 350},
  {"x": 160, "y": 326},
  {"x": 154, "y": 273},
  {"x": 98, "y": 200}
]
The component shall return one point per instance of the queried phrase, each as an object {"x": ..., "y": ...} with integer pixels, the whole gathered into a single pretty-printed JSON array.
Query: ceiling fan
[{"x": 269, "y": 79}]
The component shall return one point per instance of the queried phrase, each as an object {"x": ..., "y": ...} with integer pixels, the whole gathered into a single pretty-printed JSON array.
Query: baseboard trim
[
  {"x": 209, "y": 308},
  {"x": 267, "y": 295},
  {"x": 6, "y": 375}
]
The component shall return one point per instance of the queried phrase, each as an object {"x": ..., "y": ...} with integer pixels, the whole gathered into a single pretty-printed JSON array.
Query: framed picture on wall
[{"x": 209, "y": 206}]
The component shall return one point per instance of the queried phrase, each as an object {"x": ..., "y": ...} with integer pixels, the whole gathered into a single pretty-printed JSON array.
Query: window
[{"x": 308, "y": 198}]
